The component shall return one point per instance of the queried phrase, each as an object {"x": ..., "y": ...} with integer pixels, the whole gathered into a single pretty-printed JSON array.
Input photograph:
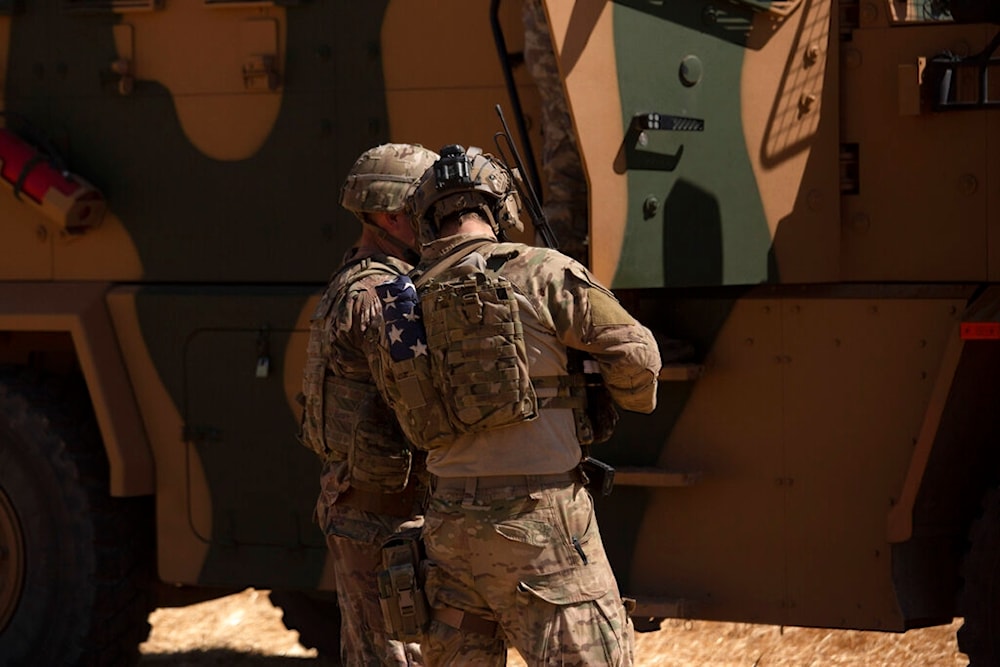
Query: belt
[
  {"x": 400, "y": 504},
  {"x": 465, "y": 622},
  {"x": 500, "y": 481}
]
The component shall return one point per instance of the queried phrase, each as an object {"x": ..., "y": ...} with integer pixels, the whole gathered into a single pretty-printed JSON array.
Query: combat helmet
[
  {"x": 462, "y": 180},
  {"x": 383, "y": 178}
]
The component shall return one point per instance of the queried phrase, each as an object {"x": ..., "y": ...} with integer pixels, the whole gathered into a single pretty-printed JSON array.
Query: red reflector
[{"x": 980, "y": 331}]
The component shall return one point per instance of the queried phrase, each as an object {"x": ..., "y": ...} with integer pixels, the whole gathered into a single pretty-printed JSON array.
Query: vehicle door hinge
[
  {"x": 850, "y": 179},
  {"x": 850, "y": 18}
]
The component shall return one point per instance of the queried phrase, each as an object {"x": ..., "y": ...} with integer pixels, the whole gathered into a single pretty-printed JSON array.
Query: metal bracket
[
  {"x": 123, "y": 66},
  {"x": 952, "y": 83},
  {"x": 632, "y": 156},
  {"x": 260, "y": 72},
  {"x": 259, "y": 39}
]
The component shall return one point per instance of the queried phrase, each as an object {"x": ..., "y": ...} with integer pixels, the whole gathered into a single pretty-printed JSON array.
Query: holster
[
  {"x": 400, "y": 587},
  {"x": 598, "y": 476}
]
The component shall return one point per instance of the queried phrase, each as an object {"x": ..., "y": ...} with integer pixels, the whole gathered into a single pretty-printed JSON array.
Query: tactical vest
[
  {"x": 345, "y": 420},
  {"x": 466, "y": 369}
]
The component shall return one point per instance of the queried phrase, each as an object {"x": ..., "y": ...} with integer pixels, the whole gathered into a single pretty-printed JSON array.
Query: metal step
[
  {"x": 647, "y": 606},
  {"x": 652, "y": 476}
]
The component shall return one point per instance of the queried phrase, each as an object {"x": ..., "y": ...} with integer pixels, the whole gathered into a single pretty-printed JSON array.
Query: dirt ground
[{"x": 246, "y": 629}]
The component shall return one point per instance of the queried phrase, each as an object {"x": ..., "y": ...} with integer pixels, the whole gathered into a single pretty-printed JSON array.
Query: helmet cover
[{"x": 383, "y": 178}]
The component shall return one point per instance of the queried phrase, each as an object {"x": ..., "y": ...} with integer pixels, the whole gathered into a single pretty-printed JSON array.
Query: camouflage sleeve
[
  {"x": 586, "y": 316},
  {"x": 351, "y": 320}
]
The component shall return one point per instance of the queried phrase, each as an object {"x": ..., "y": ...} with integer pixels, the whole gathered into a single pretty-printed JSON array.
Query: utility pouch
[
  {"x": 400, "y": 587},
  {"x": 599, "y": 477},
  {"x": 601, "y": 411},
  {"x": 595, "y": 422}
]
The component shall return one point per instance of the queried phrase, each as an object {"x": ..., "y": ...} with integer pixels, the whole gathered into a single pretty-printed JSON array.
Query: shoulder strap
[
  {"x": 362, "y": 268},
  {"x": 444, "y": 263}
]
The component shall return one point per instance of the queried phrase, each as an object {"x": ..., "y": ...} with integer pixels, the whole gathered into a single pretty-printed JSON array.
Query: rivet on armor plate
[
  {"x": 967, "y": 184},
  {"x": 650, "y": 207}
]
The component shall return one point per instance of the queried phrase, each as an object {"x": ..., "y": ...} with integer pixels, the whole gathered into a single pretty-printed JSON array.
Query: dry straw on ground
[{"x": 245, "y": 629}]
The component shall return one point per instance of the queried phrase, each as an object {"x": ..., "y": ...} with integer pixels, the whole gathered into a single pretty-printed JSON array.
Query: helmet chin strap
[{"x": 499, "y": 233}]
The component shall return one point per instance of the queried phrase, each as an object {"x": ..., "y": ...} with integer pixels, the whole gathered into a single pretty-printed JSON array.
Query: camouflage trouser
[
  {"x": 565, "y": 185},
  {"x": 354, "y": 538},
  {"x": 529, "y": 557}
]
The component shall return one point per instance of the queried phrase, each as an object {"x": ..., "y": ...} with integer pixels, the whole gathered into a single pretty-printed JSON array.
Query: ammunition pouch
[
  {"x": 601, "y": 415},
  {"x": 400, "y": 587},
  {"x": 418, "y": 407}
]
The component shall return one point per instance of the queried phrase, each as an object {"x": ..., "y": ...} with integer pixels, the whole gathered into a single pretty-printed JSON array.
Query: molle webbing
[
  {"x": 343, "y": 401},
  {"x": 477, "y": 343},
  {"x": 594, "y": 413},
  {"x": 472, "y": 373},
  {"x": 569, "y": 391},
  {"x": 566, "y": 392},
  {"x": 361, "y": 429}
]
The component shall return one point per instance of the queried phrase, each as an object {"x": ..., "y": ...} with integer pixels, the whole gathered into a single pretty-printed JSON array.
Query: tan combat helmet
[
  {"x": 384, "y": 177},
  {"x": 463, "y": 180}
]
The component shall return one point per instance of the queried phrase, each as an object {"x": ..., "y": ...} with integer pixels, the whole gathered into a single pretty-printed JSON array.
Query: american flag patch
[{"x": 404, "y": 326}]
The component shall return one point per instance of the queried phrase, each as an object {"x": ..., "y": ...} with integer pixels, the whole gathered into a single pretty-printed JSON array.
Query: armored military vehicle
[{"x": 805, "y": 192}]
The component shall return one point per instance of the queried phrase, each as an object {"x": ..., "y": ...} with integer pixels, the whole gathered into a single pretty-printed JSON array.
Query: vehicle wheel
[
  {"x": 979, "y": 602},
  {"x": 316, "y": 617},
  {"x": 74, "y": 562}
]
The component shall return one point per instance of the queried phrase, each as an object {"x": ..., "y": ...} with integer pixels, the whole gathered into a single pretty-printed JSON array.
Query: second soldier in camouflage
[{"x": 369, "y": 484}]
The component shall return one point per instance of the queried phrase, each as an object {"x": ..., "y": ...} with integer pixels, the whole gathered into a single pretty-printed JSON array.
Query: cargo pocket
[
  {"x": 567, "y": 587},
  {"x": 573, "y": 567},
  {"x": 580, "y": 616},
  {"x": 529, "y": 532}
]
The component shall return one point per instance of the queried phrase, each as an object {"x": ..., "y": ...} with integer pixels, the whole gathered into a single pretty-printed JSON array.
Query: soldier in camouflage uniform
[
  {"x": 514, "y": 554},
  {"x": 565, "y": 202},
  {"x": 369, "y": 489}
]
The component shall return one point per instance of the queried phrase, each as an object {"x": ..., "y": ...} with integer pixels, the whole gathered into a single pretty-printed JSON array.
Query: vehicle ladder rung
[{"x": 652, "y": 476}]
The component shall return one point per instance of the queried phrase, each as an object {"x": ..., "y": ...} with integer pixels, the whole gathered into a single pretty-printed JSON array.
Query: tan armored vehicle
[{"x": 805, "y": 191}]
